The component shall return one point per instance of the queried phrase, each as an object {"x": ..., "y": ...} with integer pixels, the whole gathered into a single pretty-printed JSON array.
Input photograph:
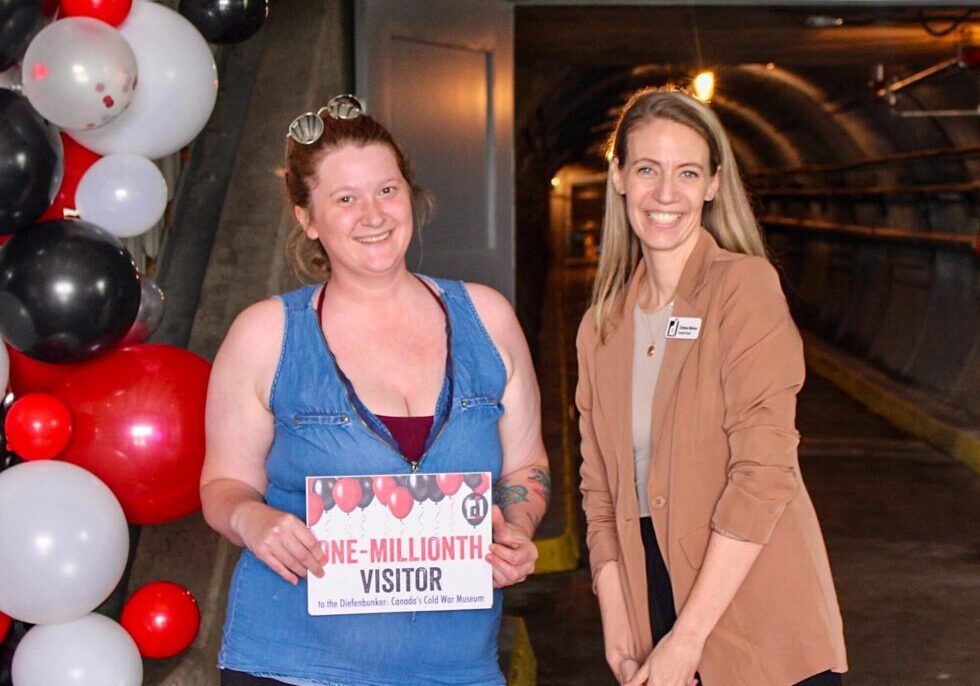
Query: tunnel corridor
[
  {"x": 869, "y": 201},
  {"x": 857, "y": 132}
]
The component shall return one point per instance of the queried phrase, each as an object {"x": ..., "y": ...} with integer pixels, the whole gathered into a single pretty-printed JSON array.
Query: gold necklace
[{"x": 652, "y": 348}]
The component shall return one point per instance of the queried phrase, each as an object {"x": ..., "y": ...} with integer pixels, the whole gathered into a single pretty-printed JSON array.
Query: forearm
[
  {"x": 223, "y": 501},
  {"x": 612, "y": 607},
  {"x": 523, "y": 495},
  {"x": 726, "y": 564}
]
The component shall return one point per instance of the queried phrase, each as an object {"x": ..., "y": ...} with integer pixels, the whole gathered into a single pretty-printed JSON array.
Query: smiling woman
[
  {"x": 706, "y": 554},
  {"x": 403, "y": 354}
]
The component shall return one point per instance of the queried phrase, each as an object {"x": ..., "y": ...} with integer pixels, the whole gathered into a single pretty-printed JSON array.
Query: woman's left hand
[
  {"x": 512, "y": 553},
  {"x": 673, "y": 662}
]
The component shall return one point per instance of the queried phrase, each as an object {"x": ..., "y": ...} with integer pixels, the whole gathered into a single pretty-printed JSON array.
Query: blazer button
[{"x": 659, "y": 502}]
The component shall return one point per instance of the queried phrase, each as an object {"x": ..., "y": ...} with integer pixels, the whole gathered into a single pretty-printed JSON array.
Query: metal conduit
[
  {"x": 878, "y": 233},
  {"x": 895, "y": 158}
]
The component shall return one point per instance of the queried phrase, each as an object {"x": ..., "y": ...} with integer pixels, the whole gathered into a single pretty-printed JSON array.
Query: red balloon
[
  {"x": 383, "y": 486},
  {"x": 77, "y": 161},
  {"x": 483, "y": 485},
  {"x": 110, "y": 11},
  {"x": 162, "y": 617},
  {"x": 449, "y": 483},
  {"x": 314, "y": 508},
  {"x": 401, "y": 502},
  {"x": 347, "y": 494},
  {"x": 139, "y": 426},
  {"x": 28, "y": 375},
  {"x": 37, "y": 426},
  {"x": 5, "y": 622}
]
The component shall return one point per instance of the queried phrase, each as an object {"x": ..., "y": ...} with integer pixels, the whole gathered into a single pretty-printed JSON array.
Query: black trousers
[{"x": 660, "y": 598}]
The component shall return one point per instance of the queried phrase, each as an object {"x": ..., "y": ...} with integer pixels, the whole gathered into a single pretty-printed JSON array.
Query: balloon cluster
[
  {"x": 100, "y": 429},
  {"x": 398, "y": 493},
  {"x": 127, "y": 82}
]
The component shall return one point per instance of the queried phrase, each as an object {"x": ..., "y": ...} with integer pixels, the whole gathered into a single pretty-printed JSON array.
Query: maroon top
[{"x": 410, "y": 433}]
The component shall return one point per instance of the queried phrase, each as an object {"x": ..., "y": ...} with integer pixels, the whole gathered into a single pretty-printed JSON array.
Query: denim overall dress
[{"x": 321, "y": 428}]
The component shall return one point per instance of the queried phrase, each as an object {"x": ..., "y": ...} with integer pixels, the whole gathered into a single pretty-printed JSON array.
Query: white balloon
[
  {"x": 4, "y": 368},
  {"x": 90, "y": 651},
  {"x": 178, "y": 85},
  {"x": 63, "y": 542},
  {"x": 79, "y": 73},
  {"x": 125, "y": 194}
]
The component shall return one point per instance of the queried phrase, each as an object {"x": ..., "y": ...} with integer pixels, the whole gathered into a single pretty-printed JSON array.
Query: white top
[{"x": 649, "y": 329}]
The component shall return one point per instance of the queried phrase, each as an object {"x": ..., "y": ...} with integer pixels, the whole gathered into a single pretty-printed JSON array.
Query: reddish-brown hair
[{"x": 307, "y": 257}]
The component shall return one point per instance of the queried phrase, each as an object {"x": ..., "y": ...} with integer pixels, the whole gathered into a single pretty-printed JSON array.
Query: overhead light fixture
[
  {"x": 704, "y": 86},
  {"x": 823, "y": 21}
]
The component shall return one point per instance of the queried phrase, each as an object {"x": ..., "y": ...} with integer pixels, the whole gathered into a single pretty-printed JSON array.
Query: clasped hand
[
  {"x": 280, "y": 540},
  {"x": 673, "y": 662},
  {"x": 512, "y": 553}
]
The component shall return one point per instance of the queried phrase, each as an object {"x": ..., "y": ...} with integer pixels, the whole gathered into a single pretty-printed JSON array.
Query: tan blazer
[{"x": 725, "y": 459}]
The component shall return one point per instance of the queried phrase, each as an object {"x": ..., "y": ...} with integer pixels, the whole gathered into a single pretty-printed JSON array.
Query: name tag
[{"x": 686, "y": 328}]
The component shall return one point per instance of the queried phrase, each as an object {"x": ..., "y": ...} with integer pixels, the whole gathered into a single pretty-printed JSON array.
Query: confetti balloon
[{"x": 79, "y": 73}]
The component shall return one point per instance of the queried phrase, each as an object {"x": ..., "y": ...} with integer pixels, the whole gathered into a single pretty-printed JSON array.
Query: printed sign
[{"x": 400, "y": 543}]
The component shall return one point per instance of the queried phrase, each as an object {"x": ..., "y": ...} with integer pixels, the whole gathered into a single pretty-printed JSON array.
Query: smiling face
[
  {"x": 360, "y": 210},
  {"x": 666, "y": 179}
]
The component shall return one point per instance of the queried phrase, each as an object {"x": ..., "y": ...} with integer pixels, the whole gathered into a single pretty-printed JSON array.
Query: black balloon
[
  {"x": 435, "y": 491},
  {"x": 472, "y": 479},
  {"x": 20, "y": 20},
  {"x": 68, "y": 291},
  {"x": 418, "y": 486},
  {"x": 7, "y": 458},
  {"x": 31, "y": 163},
  {"x": 326, "y": 493},
  {"x": 149, "y": 315},
  {"x": 367, "y": 491},
  {"x": 225, "y": 21}
]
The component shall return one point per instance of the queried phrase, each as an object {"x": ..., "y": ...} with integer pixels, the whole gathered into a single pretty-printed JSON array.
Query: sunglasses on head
[{"x": 307, "y": 128}]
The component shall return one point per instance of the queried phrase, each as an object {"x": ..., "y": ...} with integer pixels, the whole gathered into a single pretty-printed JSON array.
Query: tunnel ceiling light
[
  {"x": 823, "y": 21},
  {"x": 704, "y": 86}
]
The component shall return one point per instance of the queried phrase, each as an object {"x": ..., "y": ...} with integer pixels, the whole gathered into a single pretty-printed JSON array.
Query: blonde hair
[
  {"x": 306, "y": 256},
  {"x": 728, "y": 217}
]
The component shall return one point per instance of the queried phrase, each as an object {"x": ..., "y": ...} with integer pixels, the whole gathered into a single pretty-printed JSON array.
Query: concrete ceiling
[
  {"x": 777, "y": 72},
  {"x": 631, "y": 35}
]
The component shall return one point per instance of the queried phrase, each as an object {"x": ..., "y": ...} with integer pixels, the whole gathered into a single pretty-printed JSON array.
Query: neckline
[{"x": 371, "y": 420}]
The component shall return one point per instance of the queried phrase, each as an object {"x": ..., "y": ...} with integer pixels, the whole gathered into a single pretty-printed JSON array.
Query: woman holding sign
[
  {"x": 706, "y": 554},
  {"x": 370, "y": 371}
]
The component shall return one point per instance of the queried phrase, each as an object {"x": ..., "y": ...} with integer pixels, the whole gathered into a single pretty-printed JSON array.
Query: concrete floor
[{"x": 900, "y": 520}]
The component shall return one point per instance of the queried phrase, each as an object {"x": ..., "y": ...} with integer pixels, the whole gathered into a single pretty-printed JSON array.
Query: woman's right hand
[
  {"x": 279, "y": 539},
  {"x": 616, "y": 635}
]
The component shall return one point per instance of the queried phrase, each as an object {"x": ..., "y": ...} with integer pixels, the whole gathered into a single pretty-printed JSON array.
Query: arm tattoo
[
  {"x": 543, "y": 487},
  {"x": 504, "y": 494}
]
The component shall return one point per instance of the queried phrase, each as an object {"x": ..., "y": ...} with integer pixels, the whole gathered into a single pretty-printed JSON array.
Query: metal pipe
[
  {"x": 895, "y": 158},
  {"x": 889, "y": 234}
]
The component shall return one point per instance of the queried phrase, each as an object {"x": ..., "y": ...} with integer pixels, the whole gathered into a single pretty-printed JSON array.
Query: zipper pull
[{"x": 415, "y": 466}]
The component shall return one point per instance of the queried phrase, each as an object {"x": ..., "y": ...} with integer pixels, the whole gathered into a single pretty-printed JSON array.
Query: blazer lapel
[
  {"x": 677, "y": 350},
  {"x": 614, "y": 366}
]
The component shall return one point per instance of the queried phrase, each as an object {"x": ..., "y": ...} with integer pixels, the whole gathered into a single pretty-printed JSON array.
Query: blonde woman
[{"x": 706, "y": 554}]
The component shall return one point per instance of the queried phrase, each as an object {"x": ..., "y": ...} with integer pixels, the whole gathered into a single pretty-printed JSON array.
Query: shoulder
[
  {"x": 494, "y": 309},
  {"x": 256, "y": 333},
  {"x": 500, "y": 321},
  {"x": 745, "y": 278}
]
